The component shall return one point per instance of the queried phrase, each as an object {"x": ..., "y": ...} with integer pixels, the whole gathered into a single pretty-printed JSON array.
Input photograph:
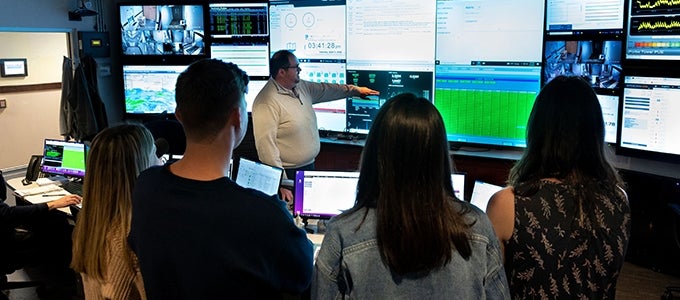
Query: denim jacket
[{"x": 349, "y": 261}]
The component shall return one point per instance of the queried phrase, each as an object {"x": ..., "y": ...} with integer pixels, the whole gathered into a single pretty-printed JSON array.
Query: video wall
[{"x": 477, "y": 61}]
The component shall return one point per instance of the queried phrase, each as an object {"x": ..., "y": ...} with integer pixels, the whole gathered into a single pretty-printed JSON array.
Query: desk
[{"x": 15, "y": 185}]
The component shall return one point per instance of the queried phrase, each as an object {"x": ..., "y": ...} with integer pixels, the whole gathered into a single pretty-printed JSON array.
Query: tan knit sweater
[{"x": 121, "y": 282}]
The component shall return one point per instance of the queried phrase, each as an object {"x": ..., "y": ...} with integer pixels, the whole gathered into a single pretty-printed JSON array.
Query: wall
[
  {"x": 31, "y": 115},
  {"x": 40, "y": 31}
]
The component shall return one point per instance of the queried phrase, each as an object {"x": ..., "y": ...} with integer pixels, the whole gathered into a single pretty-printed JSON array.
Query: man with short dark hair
[{"x": 197, "y": 234}]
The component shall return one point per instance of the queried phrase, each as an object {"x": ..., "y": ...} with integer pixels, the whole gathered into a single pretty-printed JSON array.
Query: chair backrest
[
  {"x": 247, "y": 147},
  {"x": 172, "y": 131}
]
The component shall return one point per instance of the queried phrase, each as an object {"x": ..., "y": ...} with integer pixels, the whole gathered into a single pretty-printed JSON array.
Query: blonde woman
[{"x": 100, "y": 249}]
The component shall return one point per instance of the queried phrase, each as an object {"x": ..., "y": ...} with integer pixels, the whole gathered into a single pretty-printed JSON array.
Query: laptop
[
  {"x": 256, "y": 175},
  {"x": 324, "y": 194},
  {"x": 482, "y": 192},
  {"x": 458, "y": 182}
]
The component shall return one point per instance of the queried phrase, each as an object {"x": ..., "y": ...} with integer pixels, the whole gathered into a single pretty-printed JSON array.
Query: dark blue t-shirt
[{"x": 215, "y": 240}]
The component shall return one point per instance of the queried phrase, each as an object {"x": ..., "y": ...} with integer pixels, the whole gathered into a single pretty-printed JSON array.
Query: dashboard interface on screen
[
  {"x": 565, "y": 17},
  {"x": 488, "y": 68},
  {"x": 651, "y": 106}
]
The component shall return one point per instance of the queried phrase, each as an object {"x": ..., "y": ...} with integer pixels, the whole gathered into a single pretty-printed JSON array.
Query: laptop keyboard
[{"x": 73, "y": 187}]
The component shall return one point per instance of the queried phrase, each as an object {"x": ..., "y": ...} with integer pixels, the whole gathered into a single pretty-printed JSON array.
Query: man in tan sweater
[{"x": 284, "y": 122}]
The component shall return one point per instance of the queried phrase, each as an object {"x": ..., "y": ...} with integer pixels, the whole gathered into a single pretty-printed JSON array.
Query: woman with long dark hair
[
  {"x": 407, "y": 236},
  {"x": 564, "y": 219}
]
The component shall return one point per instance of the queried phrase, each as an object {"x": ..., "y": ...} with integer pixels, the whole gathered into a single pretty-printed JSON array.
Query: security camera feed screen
[
  {"x": 598, "y": 62},
  {"x": 162, "y": 29}
]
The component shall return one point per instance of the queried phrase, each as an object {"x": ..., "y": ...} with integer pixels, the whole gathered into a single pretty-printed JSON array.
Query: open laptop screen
[
  {"x": 482, "y": 192},
  {"x": 324, "y": 194},
  {"x": 258, "y": 176},
  {"x": 458, "y": 182},
  {"x": 63, "y": 158}
]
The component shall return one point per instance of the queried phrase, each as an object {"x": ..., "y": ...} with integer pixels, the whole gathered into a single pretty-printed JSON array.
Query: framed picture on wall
[{"x": 10, "y": 67}]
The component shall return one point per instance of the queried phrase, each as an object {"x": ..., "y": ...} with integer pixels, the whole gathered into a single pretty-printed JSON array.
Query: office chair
[{"x": 8, "y": 263}]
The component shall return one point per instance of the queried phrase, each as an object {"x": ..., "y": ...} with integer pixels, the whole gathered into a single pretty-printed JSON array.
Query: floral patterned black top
[{"x": 551, "y": 256}]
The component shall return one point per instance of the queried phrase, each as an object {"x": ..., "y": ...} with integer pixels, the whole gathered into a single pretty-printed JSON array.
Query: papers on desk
[
  {"x": 40, "y": 190},
  {"x": 44, "y": 194}
]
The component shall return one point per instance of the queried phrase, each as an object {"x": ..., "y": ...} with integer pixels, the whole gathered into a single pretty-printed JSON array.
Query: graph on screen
[{"x": 653, "y": 30}]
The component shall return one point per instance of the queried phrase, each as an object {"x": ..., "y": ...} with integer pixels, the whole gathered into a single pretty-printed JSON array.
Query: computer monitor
[
  {"x": 324, "y": 194},
  {"x": 150, "y": 89},
  {"x": 649, "y": 117},
  {"x": 63, "y": 158},
  {"x": 229, "y": 20},
  {"x": 258, "y": 176},
  {"x": 596, "y": 61},
  {"x": 653, "y": 32},
  {"x": 169, "y": 29},
  {"x": 362, "y": 111},
  {"x": 488, "y": 69}
]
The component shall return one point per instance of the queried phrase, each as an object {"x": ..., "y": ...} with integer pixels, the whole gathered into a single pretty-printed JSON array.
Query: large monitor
[
  {"x": 390, "y": 48},
  {"x": 488, "y": 69},
  {"x": 166, "y": 29},
  {"x": 653, "y": 31},
  {"x": 240, "y": 34},
  {"x": 150, "y": 89},
  {"x": 649, "y": 117},
  {"x": 65, "y": 158}
]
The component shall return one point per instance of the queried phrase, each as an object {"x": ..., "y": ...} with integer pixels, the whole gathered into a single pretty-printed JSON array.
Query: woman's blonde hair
[{"x": 118, "y": 154}]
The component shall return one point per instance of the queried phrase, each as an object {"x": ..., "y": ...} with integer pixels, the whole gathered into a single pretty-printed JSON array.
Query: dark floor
[
  {"x": 61, "y": 285},
  {"x": 635, "y": 283}
]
